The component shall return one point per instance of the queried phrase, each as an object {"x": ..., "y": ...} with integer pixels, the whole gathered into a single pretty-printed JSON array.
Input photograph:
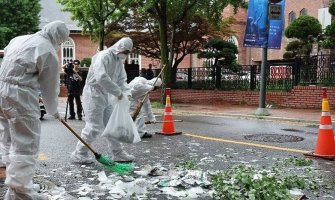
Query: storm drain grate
[{"x": 273, "y": 138}]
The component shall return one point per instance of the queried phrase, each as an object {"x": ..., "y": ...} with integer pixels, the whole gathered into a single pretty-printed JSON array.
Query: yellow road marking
[
  {"x": 247, "y": 143},
  {"x": 42, "y": 156}
]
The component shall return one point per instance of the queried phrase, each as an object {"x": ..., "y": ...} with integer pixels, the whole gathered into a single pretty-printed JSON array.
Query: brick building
[
  {"x": 78, "y": 46},
  {"x": 293, "y": 9}
]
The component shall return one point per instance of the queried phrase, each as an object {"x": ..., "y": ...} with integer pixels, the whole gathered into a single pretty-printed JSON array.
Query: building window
[
  {"x": 68, "y": 50},
  {"x": 324, "y": 17},
  {"x": 208, "y": 62},
  {"x": 134, "y": 58},
  {"x": 291, "y": 17},
  {"x": 303, "y": 12}
]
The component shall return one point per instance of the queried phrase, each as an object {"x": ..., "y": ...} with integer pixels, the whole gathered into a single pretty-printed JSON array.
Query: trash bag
[{"x": 120, "y": 125}]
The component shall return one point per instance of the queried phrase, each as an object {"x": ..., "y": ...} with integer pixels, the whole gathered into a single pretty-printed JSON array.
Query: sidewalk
[{"x": 281, "y": 114}]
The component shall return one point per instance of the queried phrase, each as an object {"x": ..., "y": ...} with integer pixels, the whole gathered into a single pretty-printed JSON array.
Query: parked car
[
  {"x": 181, "y": 76},
  {"x": 227, "y": 74}
]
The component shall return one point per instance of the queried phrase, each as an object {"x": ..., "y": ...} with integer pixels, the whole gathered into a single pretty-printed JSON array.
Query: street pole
[{"x": 261, "y": 110}]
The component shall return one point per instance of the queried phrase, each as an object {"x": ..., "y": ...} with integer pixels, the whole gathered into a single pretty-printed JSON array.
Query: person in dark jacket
[
  {"x": 74, "y": 87},
  {"x": 143, "y": 73},
  {"x": 150, "y": 73}
]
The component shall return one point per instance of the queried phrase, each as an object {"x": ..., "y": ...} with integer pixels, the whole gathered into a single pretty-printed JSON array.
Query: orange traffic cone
[
  {"x": 168, "y": 124},
  {"x": 325, "y": 146}
]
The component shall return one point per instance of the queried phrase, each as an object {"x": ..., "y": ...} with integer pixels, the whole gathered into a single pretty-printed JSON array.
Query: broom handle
[
  {"x": 138, "y": 108},
  {"x": 79, "y": 138}
]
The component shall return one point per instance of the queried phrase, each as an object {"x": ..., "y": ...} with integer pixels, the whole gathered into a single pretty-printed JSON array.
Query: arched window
[
  {"x": 233, "y": 40},
  {"x": 134, "y": 58},
  {"x": 68, "y": 49},
  {"x": 303, "y": 12},
  {"x": 291, "y": 17}
]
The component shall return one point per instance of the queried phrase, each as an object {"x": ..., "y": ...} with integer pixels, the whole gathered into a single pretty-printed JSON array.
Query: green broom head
[{"x": 119, "y": 168}]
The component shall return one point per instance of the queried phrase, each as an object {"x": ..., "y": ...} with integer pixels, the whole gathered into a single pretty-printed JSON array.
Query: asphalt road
[{"x": 214, "y": 143}]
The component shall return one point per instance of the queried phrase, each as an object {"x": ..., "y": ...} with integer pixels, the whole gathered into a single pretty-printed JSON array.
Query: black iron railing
[{"x": 315, "y": 70}]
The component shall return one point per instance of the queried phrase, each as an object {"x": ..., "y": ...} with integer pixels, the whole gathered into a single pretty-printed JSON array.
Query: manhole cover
[{"x": 273, "y": 138}]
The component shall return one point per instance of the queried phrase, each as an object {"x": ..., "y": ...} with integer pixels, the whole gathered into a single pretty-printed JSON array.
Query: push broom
[{"x": 109, "y": 164}]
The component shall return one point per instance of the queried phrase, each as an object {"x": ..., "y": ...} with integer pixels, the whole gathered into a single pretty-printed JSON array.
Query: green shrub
[{"x": 85, "y": 62}]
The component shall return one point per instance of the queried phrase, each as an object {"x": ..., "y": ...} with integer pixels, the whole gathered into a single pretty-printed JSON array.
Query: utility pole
[{"x": 261, "y": 110}]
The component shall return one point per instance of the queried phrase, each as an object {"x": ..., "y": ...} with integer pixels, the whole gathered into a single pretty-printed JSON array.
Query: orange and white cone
[
  {"x": 325, "y": 145},
  {"x": 168, "y": 123}
]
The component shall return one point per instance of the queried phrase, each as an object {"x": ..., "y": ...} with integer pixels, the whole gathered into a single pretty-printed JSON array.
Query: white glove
[
  {"x": 120, "y": 97},
  {"x": 57, "y": 116}
]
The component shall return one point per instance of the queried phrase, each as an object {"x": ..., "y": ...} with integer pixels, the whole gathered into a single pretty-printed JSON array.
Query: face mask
[{"x": 122, "y": 56}]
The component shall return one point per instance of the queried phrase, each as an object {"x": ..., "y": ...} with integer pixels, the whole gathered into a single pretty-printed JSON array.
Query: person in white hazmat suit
[
  {"x": 106, "y": 79},
  {"x": 139, "y": 88},
  {"x": 30, "y": 65}
]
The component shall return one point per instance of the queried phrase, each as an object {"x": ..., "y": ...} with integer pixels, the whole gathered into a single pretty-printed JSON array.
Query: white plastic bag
[{"x": 120, "y": 125}]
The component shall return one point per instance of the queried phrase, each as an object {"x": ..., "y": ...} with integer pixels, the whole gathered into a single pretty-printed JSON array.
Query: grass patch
[
  {"x": 157, "y": 105},
  {"x": 188, "y": 165}
]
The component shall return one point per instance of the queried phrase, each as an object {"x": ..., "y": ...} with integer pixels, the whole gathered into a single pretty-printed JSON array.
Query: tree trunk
[
  {"x": 101, "y": 28},
  {"x": 164, "y": 47}
]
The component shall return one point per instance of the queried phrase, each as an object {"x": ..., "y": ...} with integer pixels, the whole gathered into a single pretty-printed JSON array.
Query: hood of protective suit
[
  {"x": 122, "y": 45},
  {"x": 57, "y": 32},
  {"x": 155, "y": 83}
]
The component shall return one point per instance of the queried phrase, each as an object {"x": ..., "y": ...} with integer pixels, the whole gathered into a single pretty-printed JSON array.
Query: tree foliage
[
  {"x": 94, "y": 15},
  {"x": 190, "y": 36},
  {"x": 328, "y": 40},
  {"x": 172, "y": 13},
  {"x": 18, "y": 18},
  {"x": 176, "y": 20},
  {"x": 223, "y": 53},
  {"x": 306, "y": 30},
  {"x": 332, "y": 8}
]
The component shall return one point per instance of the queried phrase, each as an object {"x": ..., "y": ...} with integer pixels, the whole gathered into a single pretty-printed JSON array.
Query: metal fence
[{"x": 281, "y": 76}]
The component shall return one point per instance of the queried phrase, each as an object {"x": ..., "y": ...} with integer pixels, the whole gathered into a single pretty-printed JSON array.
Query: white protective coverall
[
  {"x": 106, "y": 79},
  {"x": 139, "y": 87},
  {"x": 30, "y": 65}
]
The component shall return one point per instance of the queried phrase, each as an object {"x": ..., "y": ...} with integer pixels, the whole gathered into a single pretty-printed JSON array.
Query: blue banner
[
  {"x": 256, "y": 33},
  {"x": 276, "y": 29}
]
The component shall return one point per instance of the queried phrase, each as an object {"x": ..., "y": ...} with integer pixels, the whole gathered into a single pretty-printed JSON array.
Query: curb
[{"x": 245, "y": 116}]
